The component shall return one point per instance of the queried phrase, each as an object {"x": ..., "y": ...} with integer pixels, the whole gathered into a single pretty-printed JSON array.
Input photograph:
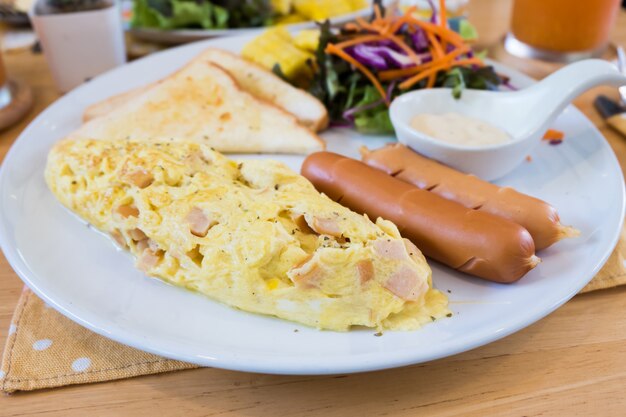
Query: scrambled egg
[{"x": 253, "y": 235}]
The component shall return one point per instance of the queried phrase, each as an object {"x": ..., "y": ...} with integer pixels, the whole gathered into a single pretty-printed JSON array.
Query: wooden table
[{"x": 573, "y": 362}]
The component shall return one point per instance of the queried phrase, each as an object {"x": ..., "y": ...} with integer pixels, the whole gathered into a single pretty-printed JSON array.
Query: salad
[
  {"x": 223, "y": 14},
  {"x": 358, "y": 70}
]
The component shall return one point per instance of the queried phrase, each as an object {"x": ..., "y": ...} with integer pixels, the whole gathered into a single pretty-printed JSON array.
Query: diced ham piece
[
  {"x": 148, "y": 260},
  {"x": 199, "y": 223},
  {"x": 412, "y": 250},
  {"x": 406, "y": 284},
  {"x": 119, "y": 239},
  {"x": 127, "y": 210},
  {"x": 137, "y": 234},
  {"x": 142, "y": 245},
  {"x": 390, "y": 249},
  {"x": 325, "y": 226},
  {"x": 141, "y": 178},
  {"x": 307, "y": 274},
  {"x": 152, "y": 245},
  {"x": 365, "y": 270}
]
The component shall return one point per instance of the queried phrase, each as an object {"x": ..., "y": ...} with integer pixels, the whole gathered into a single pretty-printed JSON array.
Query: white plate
[{"x": 81, "y": 274}]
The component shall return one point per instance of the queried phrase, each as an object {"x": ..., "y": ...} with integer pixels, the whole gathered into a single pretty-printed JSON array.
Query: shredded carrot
[
  {"x": 431, "y": 80},
  {"x": 332, "y": 49},
  {"x": 358, "y": 40},
  {"x": 437, "y": 50},
  {"x": 393, "y": 74},
  {"x": 385, "y": 24},
  {"x": 350, "y": 26},
  {"x": 444, "y": 33},
  {"x": 402, "y": 20},
  {"x": 443, "y": 18},
  {"x": 437, "y": 53},
  {"x": 379, "y": 15},
  {"x": 553, "y": 134},
  {"x": 405, "y": 72},
  {"x": 366, "y": 25},
  {"x": 434, "y": 69},
  {"x": 380, "y": 23}
]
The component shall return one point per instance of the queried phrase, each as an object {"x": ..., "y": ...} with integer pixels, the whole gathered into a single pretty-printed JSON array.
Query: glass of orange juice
[{"x": 561, "y": 30}]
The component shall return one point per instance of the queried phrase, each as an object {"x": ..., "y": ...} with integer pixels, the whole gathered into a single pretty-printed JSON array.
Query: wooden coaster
[{"x": 21, "y": 103}]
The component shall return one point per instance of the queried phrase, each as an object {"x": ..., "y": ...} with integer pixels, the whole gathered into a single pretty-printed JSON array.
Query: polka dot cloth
[
  {"x": 45, "y": 350},
  {"x": 42, "y": 344},
  {"x": 81, "y": 364}
]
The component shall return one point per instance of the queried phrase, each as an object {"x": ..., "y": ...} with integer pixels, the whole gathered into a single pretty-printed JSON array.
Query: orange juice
[{"x": 564, "y": 25}]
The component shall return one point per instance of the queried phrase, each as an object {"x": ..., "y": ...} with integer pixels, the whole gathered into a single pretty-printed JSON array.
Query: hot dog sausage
[
  {"x": 537, "y": 216},
  {"x": 470, "y": 241}
]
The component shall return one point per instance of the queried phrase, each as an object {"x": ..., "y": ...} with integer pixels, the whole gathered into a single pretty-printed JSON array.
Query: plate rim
[{"x": 289, "y": 366}]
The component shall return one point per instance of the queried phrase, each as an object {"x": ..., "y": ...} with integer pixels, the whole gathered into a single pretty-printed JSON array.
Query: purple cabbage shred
[
  {"x": 379, "y": 57},
  {"x": 420, "y": 42},
  {"x": 349, "y": 114}
]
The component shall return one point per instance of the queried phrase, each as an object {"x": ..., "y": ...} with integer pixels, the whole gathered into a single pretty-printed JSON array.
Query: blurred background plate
[{"x": 178, "y": 36}]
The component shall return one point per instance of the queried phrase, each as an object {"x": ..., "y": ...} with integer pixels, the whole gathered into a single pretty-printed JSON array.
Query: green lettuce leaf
[
  {"x": 175, "y": 14},
  {"x": 375, "y": 120},
  {"x": 461, "y": 78},
  {"x": 467, "y": 31},
  {"x": 247, "y": 13}
]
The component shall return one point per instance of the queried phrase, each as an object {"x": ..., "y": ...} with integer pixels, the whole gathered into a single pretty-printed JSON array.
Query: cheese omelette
[{"x": 254, "y": 235}]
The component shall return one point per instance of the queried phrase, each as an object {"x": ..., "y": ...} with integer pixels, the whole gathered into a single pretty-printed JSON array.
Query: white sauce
[{"x": 457, "y": 129}]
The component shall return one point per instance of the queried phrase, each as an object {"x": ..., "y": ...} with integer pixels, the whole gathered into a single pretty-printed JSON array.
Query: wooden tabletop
[{"x": 572, "y": 362}]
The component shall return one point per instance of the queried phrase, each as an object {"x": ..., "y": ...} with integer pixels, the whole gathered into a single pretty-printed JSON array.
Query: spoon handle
[{"x": 556, "y": 91}]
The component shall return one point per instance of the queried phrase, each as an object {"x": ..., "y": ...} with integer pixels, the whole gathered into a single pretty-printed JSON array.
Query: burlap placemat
[{"x": 44, "y": 349}]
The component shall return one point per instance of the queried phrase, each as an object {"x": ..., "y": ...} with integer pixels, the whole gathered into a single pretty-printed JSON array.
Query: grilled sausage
[
  {"x": 536, "y": 216},
  {"x": 470, "y": 241}
]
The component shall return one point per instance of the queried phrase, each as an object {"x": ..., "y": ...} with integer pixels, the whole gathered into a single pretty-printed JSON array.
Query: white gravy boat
[{"x": 525, "y": 115}]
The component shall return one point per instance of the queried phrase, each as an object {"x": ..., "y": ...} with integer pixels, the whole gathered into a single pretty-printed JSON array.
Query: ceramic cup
[{"x": 78, "y": 46}]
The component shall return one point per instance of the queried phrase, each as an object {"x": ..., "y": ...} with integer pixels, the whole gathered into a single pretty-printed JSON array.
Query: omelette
[{"x": 254, "y": 235}]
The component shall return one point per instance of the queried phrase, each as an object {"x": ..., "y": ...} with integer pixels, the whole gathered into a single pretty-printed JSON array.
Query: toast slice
[
  {"x": 251, "y": 77},
  {"x": 202, "y": 102},
  {"x": 264, "y": 84},
  {"x": 106, "y": 106}
]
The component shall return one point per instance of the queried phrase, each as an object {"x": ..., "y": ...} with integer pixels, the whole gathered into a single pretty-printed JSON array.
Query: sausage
[
  {"x": 537, "y": 216},
  {"x": 470, "y": 241}
]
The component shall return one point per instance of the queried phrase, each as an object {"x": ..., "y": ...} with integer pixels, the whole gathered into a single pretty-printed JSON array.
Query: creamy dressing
[{"x": 457, "y": 129}]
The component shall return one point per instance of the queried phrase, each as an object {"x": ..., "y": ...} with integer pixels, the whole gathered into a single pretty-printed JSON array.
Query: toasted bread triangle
[
  {"x": 265, "y": 85},
  {"x": 252, "y": 78},
  {"x": 203, "y": 102}
]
